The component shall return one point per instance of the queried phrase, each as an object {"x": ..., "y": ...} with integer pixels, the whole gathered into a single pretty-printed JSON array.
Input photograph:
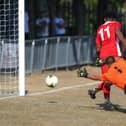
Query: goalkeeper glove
[
  {"x": 98, "y": 62},
  {"x": 82, "y": 73}
]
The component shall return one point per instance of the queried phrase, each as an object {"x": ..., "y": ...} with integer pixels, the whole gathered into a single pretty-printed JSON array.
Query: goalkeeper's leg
[
  {"x": 92, "y": 92},
  {"x": 105, "y": 87}
]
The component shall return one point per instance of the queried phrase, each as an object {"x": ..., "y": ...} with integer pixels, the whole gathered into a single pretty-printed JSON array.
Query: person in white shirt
[
  {"x": 42, "y": 25},
  {"x": 26, "y": 25},
  {"x": 59, "y": 25}
]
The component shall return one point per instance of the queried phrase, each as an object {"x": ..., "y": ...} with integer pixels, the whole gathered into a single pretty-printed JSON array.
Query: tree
[
  {"x": 78, "y": 9},
  {"x": 101, "y": 7},
  {"x": 109, "y": 5},
  {"x": 52, "y": 11}
]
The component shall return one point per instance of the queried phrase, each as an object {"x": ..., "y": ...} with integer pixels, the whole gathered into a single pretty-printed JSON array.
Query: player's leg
[
  {"x": 106, "y": 90},
  {"x": 92, "y": 92},
  {"x": 106, "y": 86}
]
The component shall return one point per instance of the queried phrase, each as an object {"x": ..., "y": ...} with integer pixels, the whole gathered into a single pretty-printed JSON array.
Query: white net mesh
[{"x": 8, "y": 47}]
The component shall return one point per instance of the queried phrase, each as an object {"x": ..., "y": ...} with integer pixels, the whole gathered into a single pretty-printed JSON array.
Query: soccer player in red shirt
[{"x": 109, "y": 39}]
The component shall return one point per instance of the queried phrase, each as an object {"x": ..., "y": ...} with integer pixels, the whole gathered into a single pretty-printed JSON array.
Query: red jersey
[{"x": 106, "y": 37}]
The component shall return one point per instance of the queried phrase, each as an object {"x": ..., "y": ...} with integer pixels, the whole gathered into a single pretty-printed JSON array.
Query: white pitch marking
[
  {"x": 54, "y": 90},
  {"x": 63, "y": 88}
]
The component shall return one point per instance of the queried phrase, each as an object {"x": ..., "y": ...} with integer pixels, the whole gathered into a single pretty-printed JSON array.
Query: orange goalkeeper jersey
[{"x": 116, "y": 74}]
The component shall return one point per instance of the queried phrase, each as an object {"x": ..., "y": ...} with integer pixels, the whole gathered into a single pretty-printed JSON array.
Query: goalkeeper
[{"x": 116, "y": 74}]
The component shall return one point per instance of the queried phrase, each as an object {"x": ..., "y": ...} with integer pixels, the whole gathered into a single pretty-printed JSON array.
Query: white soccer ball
[{"x": 51, "y": 80}]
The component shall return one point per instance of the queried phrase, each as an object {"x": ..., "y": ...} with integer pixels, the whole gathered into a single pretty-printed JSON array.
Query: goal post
[
  {"x": 21, "y": 40},
  {"x": 12, "y": 48}
]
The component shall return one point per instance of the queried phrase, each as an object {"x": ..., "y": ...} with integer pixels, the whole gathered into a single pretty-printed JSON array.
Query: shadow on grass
[{"x": 114, "y": 107}]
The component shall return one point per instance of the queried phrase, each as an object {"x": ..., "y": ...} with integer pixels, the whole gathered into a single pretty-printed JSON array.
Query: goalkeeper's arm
[
  {"x": 84, "y": 73},
  {"x": 93, "y": 77}
]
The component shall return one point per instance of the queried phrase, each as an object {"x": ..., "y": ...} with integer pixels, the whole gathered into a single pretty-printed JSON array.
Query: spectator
[
  {"x": 42, "y": 25},
  {"x": 26, "y": 25},
  {"x": 59, "y": 25}
]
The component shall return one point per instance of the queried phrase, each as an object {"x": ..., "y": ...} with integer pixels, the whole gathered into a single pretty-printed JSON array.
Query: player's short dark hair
[
  {"x": 109, "y": 60},
  {"x": 110, "y": 14}
]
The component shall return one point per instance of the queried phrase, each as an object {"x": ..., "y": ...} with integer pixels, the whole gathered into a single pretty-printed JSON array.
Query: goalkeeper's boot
[{"x": 92, "y": 93}]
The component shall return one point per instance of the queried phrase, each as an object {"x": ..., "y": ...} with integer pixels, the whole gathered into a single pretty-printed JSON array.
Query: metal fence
[
  {"x": 50, "y": 53},
  {"x": 58, "y": 52}
]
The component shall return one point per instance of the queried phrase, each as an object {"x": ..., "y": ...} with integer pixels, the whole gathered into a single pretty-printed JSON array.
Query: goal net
[{"x": 11, "y": 40}]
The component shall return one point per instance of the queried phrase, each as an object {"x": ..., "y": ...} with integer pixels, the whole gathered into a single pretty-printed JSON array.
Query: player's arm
[
  {"x": 98, "y": 44},
  {"x": 120, "y": 36},
  {"x": 98, "y": 48},
  {"x": 93, "y": 77},
  {"x": 84, "y": 73}
]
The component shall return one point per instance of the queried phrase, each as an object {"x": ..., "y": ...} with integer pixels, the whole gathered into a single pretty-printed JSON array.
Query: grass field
[{"x": 68, "y": 104}]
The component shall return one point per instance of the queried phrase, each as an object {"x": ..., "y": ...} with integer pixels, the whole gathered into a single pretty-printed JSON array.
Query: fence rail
[
  {"x": 50, "y": 53},
  {"x": 58, "y": 52}
]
